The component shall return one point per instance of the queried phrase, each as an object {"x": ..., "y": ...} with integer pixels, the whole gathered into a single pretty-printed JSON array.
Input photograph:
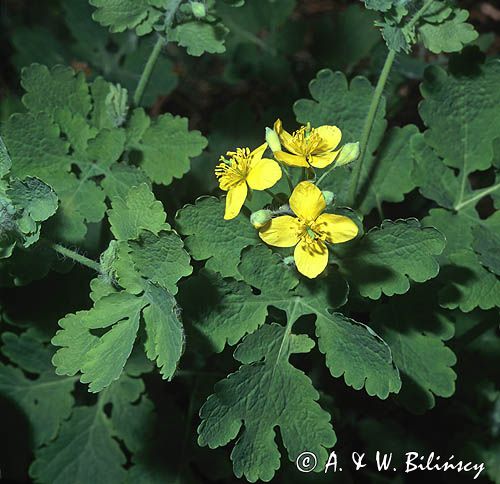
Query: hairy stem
[
  {"x": 148, "y": 69},
  {"x": 71, "y": 254},
  {"x": 368, "y": 126},
  {"x": 155, "y": 53}
]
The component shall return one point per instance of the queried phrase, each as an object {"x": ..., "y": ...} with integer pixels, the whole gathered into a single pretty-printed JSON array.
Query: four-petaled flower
[
  {"x": 309, "y": 230},
  {"x": 243, "y": 168},
  {"x": 308, "y": 146}
]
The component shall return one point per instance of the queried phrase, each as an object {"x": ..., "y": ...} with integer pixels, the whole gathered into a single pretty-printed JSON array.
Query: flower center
[
  {"x": 306, "y": 139},
  {"x": 235, "y": 169}
]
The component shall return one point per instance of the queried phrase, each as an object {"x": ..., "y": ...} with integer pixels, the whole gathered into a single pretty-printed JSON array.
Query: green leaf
[
  {"x": 380, "y": 5},
  {"x": 138, "y": 211},
  {"x": 265, "y": 393},
  {"x": 45, "y": 400},
  {"x": 462, "y": 116},
  {"x": 487, "y": 243},
  {"x": 166, "y": 147},
  {"x": 230, "y": 310},
  {"x": 91, "y": 431},
  {"x": 469, "y": 285},
  {"x": 388, "y": 257},
  {"x": 415, "y": 328},
  {"x": 450, "y": 35},
  {"x": 55, "y": 91},
  {"x": 37, "y": 199},
  {"x": 211, "y": 237},
  {"x": 200, "y": 37},
  {"x": 120, "y": 15},
  {"x": 101, "y": 359}
]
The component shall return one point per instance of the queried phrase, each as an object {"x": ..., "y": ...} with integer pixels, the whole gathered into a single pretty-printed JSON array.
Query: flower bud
[
  {"x": 348, "y": 154},
  {"x": 260, "y": 218},
  {"x": 273, "y": 140},
  {"x": 329, "y": 197},
  {"x": 198, "y": 9},
  {"x": 289, "y": 260}
]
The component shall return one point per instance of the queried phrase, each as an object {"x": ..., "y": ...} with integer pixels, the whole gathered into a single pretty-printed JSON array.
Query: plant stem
[
  {"x": 155, "y": 53},
  {"x": 274, "y": 196},
  {"x": 288, "y": 178},
  {"x": 368, "y": 126},
  {"x": 324, "y": 175},
  {"x": 480, "y": 194},
  {"x": 71, "y": 254},
  {"x": 474, "y": 333},
  {"x": 148, "y": 69}
]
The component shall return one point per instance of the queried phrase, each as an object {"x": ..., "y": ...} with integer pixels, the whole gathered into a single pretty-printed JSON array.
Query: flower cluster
[{"x": 303, "y": 222}]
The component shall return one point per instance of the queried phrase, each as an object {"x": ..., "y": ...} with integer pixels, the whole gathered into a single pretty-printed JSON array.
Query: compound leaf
[{"x": 266, "y": 392}]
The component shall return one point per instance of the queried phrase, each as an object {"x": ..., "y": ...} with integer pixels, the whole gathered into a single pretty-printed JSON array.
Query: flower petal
[
  {"x": 330, "y": 138},
  {"x": 235, "y": 199},
  {"x": 307, "y": 201},
  {"x": 311, "y": 257},
  {"x": 322, "y": 161},
  {"x": 336, "y": 228},
  {"x": 286, "y": 138},
  {"x": 257, "y": 153},
  {"x": 283, "y": 231},
  {"x": 291, "y": 160},
  {"x": 263, "y": 174}
]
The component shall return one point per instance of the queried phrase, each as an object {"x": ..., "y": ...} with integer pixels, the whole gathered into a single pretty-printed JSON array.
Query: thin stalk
[
  {"x": 155, "y": 53},
  {"x": 288, "y": 178},
  {"x": 474, "y": 333},
  {"x": 148, "y": 69},
  {"x": 480, "y": 194},
  {"x": 368, "y": 126},
  {"x": 71, "y": 254},
  {"x": 324, "y": 175},
  {"x": 372, "y": 112}
]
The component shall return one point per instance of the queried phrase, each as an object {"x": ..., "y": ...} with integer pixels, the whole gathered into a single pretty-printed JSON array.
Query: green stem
[
  {"x": 474, "y": 333},
  {"x": 71, "y": 254},
  {"x": 480, "y": 194},
  {"x": 288, "y": 178},
  {"x": 368, "y": 126},
  {"x": 324, "y": 175},
  {"x": 155, "y": 53},
  {"x": 148, "y": 69}
]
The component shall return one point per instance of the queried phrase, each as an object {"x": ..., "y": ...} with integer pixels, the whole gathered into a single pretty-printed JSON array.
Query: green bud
[
  {"x": 289, "y": 260},
  {"x": 198, "y": 9},
  {"x": 273, "y": 140},
  {"x": 260, "y": 218},
  {"x": 117, "y": 104},
  {"x": 348, "y": 154},
  {"x": 329, "y": 197}
]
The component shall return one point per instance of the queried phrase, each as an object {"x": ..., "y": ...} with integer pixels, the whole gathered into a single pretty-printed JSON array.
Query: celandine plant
[{"x": 199, "y": 325}]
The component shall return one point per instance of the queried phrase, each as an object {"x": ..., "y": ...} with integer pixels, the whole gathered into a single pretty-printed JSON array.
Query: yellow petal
[
  {"x": 264, "y": 174},
  {"x": 336, "y": 228},
  {"x": 283, "y": 231},
  {"x": 286, "y": 138},
  {"x": 321, "y": 161},
  {"x": 235, "y": 199},
  {"x": 330, "y": 138},
  {"x": 257, "y": 153},
  {"x": 311, "y": 257},
  {"x": 291, "y": 160},
  {"x": 307, "y": 201}
]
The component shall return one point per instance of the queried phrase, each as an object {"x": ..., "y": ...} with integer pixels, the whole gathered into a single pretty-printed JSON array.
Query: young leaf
[
  {"x": 388, "y": 257},
  {"x": 200, "y": 37},
  {"x": 450, "y": 35},
  {"x": 265, "y": 393}
]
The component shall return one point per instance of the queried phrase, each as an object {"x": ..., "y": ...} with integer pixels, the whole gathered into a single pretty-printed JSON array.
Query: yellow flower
[
  {"x": 309, "y": 230},
  {"x": 245, "y": 168},
  {"x": 308, "y": 146}
]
